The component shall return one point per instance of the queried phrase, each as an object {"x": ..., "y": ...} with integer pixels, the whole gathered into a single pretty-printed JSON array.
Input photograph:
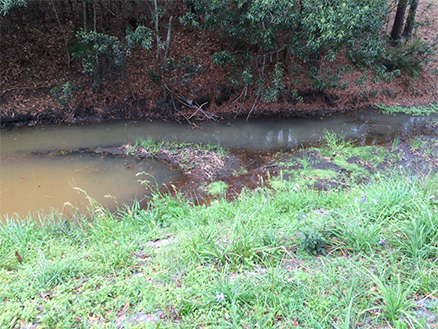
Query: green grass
[
  {"x": 217, "y": 188},
  {"x": 282, "y": 256},
  {"x": 415, "y": 110},
  {"x": 154, "y": 147}
]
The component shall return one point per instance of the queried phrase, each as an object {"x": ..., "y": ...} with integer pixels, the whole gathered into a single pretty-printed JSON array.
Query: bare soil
[{"x": 30, "y": 69}]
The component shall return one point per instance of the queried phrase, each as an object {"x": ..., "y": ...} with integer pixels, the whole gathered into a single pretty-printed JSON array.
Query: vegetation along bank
[{"x": 81, "y": 61}]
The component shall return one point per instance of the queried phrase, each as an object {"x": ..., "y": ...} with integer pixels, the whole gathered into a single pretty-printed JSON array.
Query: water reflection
[{"x": 30, "y": 183}]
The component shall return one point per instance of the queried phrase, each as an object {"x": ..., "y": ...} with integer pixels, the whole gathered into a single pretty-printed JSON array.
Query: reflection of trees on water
[{"x": 265, "y": 135}]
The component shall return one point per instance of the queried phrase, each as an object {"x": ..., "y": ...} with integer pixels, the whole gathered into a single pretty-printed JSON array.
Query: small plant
[
  {"x": 276, "y": 89},
  {"x": 141, "y": 36},
  {"x": 312, "y": 240},
  {"x": 130, "y": 150},
  {"x": 220, "y": 151},
  {"x": 64, "y": 94},
  {"x": 418, "y": 236},
  {"x": 335, "y": 141},
  {"x": 306, "y": 160},
  {"x": 102, "y": 56},
  {"x": 409, "y": 56},
  {"x": 223, "y": 58},
  {"x": 395, "y": 143},
  {"x": 149, "y": 144},
  {"x": 217, "y": 188},
  {"x": 52, "y": 273},
  {"x": 360, "y": 235},
  {"x": 395, "y": 298},
  {"x": 415, "y": 143}
]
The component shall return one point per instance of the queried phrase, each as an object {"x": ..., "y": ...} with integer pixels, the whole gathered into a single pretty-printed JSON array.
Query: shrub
[
  {"x": 410, "y": 56},
  {"x": 313, "y": 240},
  {"x": 102, "y": 57},
  {"x": 141, "y": 36},
  {"x": 223, "y": 58},
  {"x": 64, "y": 94}
]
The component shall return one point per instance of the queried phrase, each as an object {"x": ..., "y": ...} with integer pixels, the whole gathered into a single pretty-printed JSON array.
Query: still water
[{"x": 34, "y": 179}]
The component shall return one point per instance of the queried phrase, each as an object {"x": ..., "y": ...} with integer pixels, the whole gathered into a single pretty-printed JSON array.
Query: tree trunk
[
  {"x": 157, "y": 34},
  {"x": 84, "y": 15},
  {"x": 73, "y": 15},
  {"x": 103, "y": 20},
  {"x": 63, "y": 34},
  {"x": 410, "y": 21},
  {"x": 169, "y": 33},
  {"x": 121, "y": 21},
  {"x": 94, "y": 16},
  {"x": 134, "y": 14},
  {"x": 398, "y": 22}
]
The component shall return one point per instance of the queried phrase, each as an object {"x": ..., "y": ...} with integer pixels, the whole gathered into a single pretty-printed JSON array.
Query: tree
[
  {"x": 410, "y": 21},
  {"x": 102, "y": 55},
  {"x": 63, "y": 34},
  {"x": 399, "y": 21},
  {"x": 312, "y": 31},
  {"x": 163, "y": 48}
]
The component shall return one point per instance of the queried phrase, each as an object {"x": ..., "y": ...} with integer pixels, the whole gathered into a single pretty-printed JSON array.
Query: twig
[
  {"x": 22, "y": 88},
  {"x": 198, "y": 108},
  {"x": 245, "y": 90},
  {"x": 254, "y": 106}
]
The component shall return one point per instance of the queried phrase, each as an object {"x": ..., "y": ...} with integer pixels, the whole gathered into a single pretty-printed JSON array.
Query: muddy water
[
  {"x": 34, "y": 183},
  {"x": 35, "y": 177}
]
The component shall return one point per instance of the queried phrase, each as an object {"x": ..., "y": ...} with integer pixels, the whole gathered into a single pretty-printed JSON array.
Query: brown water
[{"x": 34, "y": 179}]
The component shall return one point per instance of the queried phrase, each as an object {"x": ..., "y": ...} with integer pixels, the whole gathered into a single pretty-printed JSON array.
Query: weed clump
[{"x": 313, "y": 240}]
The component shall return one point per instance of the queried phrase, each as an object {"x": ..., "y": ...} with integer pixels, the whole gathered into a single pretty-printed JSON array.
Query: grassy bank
[
  {"x": 286, "y": 255},
  {"x": 415, "y": 110}
]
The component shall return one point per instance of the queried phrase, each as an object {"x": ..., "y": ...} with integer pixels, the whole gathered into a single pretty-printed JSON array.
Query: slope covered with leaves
[{"x": 212, "y": 66}]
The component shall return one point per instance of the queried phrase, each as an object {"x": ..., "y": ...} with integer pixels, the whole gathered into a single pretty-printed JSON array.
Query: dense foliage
[
  {"x": 101, "y": 55},
  {"x": 265, "y": 42}
]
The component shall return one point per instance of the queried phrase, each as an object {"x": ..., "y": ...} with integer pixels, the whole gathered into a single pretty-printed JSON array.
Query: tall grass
[{"x": 232, "y": 264}]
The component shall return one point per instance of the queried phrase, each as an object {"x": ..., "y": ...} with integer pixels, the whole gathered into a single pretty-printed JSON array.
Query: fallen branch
[
  {"x": 198, "y": 108},
  {"x": 22, "y": 88}
]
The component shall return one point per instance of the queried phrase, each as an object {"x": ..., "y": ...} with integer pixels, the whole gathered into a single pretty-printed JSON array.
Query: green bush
[
  {"x": 223, "y": 58},
  {"x": 64, "y": 94},
  {"x": 313, "y": 240},
  {"x": 410, "y": 55},
  {"x": 141, "y": 36},
  {"x": 102, "y": 56},
  {"x": 311, "y": 31}
]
